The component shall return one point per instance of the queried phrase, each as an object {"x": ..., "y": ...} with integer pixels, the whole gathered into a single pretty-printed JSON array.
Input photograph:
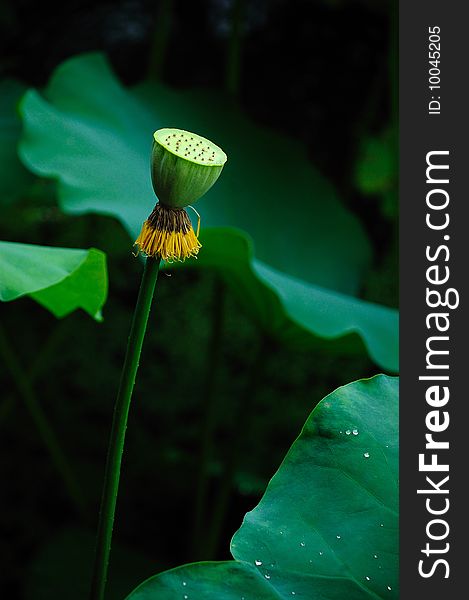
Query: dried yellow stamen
[{"x": 168, "y": 233}]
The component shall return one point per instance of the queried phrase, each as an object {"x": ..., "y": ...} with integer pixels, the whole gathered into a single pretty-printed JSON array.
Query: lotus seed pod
[{"x": 184, "y": 166}]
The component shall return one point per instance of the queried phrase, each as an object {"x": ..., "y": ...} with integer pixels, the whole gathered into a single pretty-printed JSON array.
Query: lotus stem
[{"x": 119, "y": 425}]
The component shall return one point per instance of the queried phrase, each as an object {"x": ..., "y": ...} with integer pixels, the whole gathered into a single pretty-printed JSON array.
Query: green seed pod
[{"x": 184, "y": 166}]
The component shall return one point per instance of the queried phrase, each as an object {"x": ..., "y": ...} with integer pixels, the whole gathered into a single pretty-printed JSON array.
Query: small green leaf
[
  {"x": 61, "y": 279},
  {"x": 327, "y": 525},
  {"x": 270, "y": 202}
]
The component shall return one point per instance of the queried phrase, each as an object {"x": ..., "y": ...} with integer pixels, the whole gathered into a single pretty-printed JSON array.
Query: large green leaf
[
  {"x": 94, "y": 136},
  {"x": 327, "y": 525},
  {"x": 292, "y": 307},
  {"x": 61, "y": 279},
  {"x": 13, "y": 176}
]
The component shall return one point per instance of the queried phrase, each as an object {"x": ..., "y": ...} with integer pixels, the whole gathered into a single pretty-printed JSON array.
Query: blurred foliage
[
  {"x": 305, "y": 73},
  {"x": 327, "y": 525},
  {"x": 77, "y": 390},
  {"x": 306, "y": 246},
  {"x": 377, "y": 170},
  {"x": 61, "y": 279},
  {"x": 14, "y": 177}
]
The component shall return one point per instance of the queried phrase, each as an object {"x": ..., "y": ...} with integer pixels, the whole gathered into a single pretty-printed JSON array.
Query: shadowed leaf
[
  {"x": 61, "y": 279},
  {"x": 327, "y": 525}
]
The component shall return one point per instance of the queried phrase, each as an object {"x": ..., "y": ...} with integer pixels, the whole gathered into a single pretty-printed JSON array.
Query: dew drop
[
  {"x": 366, "y": 455},
  {"x": 355, "y": 432},
  {"x": 184, "y": 583},
  {"x": 302, "y": 544},
  {"x": 348, "y": 432},
  {"x": 338, "y": 537},
  {"x": 186, "y": 596},
  {"x": 267, "y": 576},
  {"x": 375, "y": 556},
  {"x": 320, "y": 553},
  {"x": 389, "y": 587},
  {"x": 381, "y": 524},
  {"x": 293, "y": 593},
  {"x": 258, "y": 563},
  {"x": 367, "y": 578}
]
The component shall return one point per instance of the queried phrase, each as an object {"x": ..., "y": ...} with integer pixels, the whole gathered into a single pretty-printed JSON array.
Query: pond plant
[
  {"x": 301, "y": 540},
  {"x": 327, "y": 524},
  {"x": 184, "y": 166}
]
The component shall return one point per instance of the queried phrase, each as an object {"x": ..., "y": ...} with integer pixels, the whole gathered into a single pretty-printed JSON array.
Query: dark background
[{"x": 318, "y": 70}]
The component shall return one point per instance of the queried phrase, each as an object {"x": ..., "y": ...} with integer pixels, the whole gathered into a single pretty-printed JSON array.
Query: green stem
[
  {"x": 160, "y": 40},
  {"x": 119, "y": 425},
  {"x": 233, "y": 60},
  {"x": 244, "y": 409},
  {"x": 210, "y": 413},
  {"x": 51, "y": 346},
  {"x": 43, "y": 426},
  {"x": 38, "y": 364},
  {"x": 6, "y": 407}
]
